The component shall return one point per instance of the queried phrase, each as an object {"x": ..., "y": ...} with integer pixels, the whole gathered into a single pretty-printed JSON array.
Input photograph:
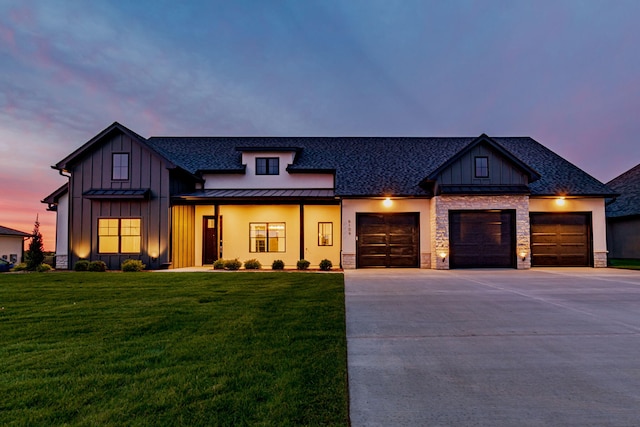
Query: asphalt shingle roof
[
  {"x": 6, "y": 231},
  {"x": 628, "y": 202},
  {"x": 367, "y": 166}
]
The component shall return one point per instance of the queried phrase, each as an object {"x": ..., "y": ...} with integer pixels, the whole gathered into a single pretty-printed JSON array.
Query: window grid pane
[
  {"x": 267, "y": 237},
  {"x": 267, "y": 166},
  {"x": 120, "y": 166},
  {"x": 119, "y": 235},
  {"x": 325, "y": 234},
  {"x": 482, "y": 167}
]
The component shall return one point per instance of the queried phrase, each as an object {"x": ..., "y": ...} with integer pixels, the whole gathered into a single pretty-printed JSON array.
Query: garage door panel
[
  {"x": 561, "y": 239},
  {"x": 482, "y": 239},
  {"x": 388, "y": 240}
]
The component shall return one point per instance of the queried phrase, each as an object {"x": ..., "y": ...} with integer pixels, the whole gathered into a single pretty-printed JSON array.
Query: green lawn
[
  {"x": 221, "y": 349},
  {"x": 633, "y": 264}
]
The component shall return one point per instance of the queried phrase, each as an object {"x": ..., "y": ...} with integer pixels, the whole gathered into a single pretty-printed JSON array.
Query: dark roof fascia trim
[
  {"x": 573, "y": 195},
  {"x": 533, "y": 175},
  {"x": 268, "y": 149},
  {"x": 482, "y": 190},
  {"x": 63, "y": 164},
  {"x": 618, "y": 218},
  {"x": 13, "y": 232},
  {"x": 191, "y": 200},
  {"x": 52, "y": 199},
  {"x": 383, "y": 196},
  {"x": 239, "y": 171},
  {"x": 291, "y": 169}
]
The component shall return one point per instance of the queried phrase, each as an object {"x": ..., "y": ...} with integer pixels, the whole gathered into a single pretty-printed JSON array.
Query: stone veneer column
[{"x": 441, "y": 205}]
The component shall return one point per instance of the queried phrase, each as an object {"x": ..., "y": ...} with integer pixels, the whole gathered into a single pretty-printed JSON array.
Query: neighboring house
[
  {"x": 359, "y": 202},
  {"x": 623, "y": 216},
  {"x": 12, "y": 244}
]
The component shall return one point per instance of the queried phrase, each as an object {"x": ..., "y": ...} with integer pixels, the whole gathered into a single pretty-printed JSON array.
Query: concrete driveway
[{"x": 541, "y": 347}]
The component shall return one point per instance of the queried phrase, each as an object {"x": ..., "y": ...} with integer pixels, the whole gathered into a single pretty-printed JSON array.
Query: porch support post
[
  {"x": 216, "y": 212},
  {"x": 301, "y": 231}
]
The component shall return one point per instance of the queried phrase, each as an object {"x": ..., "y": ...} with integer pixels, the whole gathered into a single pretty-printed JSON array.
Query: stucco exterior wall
[
  {"x": 441, "y": 205},
  {"x": 352, "y": 206},
  {"x": 62, "y": 233},
  {"x": 593, "y": 205},
  {"x": 235, "y": 232},
  {"x": 283, "y": 180}
]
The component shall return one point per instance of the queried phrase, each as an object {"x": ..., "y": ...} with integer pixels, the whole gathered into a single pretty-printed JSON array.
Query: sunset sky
[{"x": 566, "y": 73}]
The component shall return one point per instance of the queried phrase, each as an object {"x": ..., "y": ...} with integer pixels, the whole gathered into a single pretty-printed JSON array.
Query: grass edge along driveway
[{"x": 173, "y": 349}]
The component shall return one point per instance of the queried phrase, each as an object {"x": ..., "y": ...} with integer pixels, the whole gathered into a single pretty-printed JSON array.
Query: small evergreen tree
[{"x": 36, "y": 250}]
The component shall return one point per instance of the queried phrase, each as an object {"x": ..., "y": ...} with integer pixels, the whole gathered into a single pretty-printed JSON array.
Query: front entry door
[{"x": 209, "y": 240}]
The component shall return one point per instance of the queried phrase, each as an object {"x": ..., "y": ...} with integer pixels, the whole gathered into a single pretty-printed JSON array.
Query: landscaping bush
[
  {"x": 325, "y": 265},
  {"x": 303, "y": 264},
  {"x": 82, "y": 265},
  {"x": 43, "y": 268},
  {"x": 97, "y": 266},
  {"x": 218, "y": 264},
  {"x": 252, "y": 264},
  {"x": 132, "y": 265},
  {"x": 232, "y": 264},
  {"x": 277, "y": 265},
  {"x": 20, "y": 267}
]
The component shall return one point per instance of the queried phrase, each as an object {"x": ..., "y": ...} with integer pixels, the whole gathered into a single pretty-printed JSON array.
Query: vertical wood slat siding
[
  {"x": 501, "y": 171},
  {"x": 94, "y": 172},
  {"x": 183, "y": 244}
]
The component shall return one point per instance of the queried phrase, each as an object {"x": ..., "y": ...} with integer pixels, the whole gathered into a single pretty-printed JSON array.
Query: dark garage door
[
  {"x": 388, "y": 240},
  {"x": 561, "y": 240},
  {"x": 482, "y": 239}
]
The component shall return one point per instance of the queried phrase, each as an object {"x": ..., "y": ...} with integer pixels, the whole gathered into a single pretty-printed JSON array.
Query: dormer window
[
  {"x": 267, "y": 166},
  {"x": 482, "y": 167},
  {"x": 120, "y": 169}
]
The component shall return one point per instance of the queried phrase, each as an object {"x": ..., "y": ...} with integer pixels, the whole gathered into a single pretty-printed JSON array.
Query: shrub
[
  {"x": 97, "y": 266},
  {"x": 132, "y": 265},
  {"x": 43, "y": 268},
  {"x": 20, "y": 267},
  {"x": 252, "y": 264},
  {"x": 325, "y": 265},
  {"x": 218, "y": 264},
  {"x": 277, "y": 265},
  {"x": 303, "y": 264},
  {"x": 82, "y": 265},
  {"x": 232, "y": 264}
]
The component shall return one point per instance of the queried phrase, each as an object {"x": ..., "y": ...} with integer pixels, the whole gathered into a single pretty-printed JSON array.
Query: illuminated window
[
  {"x": 267, "y": 237},
  {"x": 482, "y": 167},
  {"x": 267, "y": 166},
  {"x": 119, "y": 235},
  {"x": 120, "y": 169},
  {"x": 325, "y": 234}
]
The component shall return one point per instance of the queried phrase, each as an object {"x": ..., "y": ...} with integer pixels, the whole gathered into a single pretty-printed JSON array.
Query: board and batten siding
[
  {"x": 501, "y": 170},
  {"x": 93, "y": 172},
  {"x": 183, "y": 228}
]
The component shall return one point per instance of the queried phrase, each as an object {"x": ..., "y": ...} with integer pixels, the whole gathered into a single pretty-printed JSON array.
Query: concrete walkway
[{"x": 542, "y": 347}]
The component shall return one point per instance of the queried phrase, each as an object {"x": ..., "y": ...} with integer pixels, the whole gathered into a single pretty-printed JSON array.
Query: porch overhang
[
  {"x": 262, "y": 196},
  {"x": 130, "y": 194}
]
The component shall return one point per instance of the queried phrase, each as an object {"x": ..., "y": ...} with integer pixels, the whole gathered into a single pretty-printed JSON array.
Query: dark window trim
[
  {"x": 478, "y": 167},
  {"x": 120, "y": 235},
  {"x": 320, "y": 224},
  {"x": 271, "y": 166},
  {"x": 267, "y": 237},
  {"x": 113, "y": 166}
]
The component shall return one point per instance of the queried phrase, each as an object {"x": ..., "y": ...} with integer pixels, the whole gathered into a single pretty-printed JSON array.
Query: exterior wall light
[
  {"x": 387, "y": 202},
  {"x": 443, "y": 255},
  {"x": 523, "y": 255},
  {"x": 560, "y": 201}
]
